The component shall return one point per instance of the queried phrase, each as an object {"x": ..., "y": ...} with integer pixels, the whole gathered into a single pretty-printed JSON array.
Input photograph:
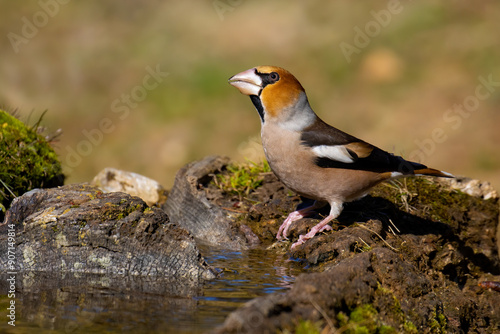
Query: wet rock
[
  {"x": 191, "y": 205},
  {"x": 251, "y": 237},
  {"x": 115, "y": 180},
  {"x": 78, "y": 229}
]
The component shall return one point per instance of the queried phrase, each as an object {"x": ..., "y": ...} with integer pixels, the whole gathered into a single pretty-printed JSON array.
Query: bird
[{"x": 309, "y": 156}]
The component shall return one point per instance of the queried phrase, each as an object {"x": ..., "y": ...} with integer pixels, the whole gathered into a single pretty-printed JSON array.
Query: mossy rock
[{"x": 27, "y": 161}]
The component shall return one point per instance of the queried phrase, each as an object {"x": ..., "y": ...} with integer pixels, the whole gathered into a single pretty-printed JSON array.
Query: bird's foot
[
  {"x": 326, "y": 228},
  {"x": 296, "y": 215},
  {"x": 321, "y": 227},
  {"x": 293, "y": 216},
  {"x": 302, "y": 239}
]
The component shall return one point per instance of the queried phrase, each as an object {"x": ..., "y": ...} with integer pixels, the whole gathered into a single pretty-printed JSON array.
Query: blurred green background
[{"x": 90, "y": 63}]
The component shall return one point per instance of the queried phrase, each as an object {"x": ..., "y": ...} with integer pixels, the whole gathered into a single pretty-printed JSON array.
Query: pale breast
[{"x": 294, "y": 165}]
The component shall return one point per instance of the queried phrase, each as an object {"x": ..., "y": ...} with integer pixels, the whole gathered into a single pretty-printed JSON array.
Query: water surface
[{"x": 100, "y": 304}]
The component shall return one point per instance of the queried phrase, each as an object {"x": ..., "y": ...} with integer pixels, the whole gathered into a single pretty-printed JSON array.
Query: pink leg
[
  {"x": 294, "y": 216},
  {"x": 322, "y": 225}
]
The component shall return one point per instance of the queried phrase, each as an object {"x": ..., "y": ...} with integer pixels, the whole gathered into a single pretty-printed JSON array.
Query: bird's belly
[
  {"x": 295, "y": 167},
  {"x": 292, "y": 166}
]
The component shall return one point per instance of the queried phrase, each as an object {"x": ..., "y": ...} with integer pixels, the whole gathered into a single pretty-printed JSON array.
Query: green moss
[
  {"x": 27, "y": 160},
  {"x": 363, "y": 320},
  {"x": 114, "y": 211},
  {"x": 409, "y": 327},
  {"x": 425, "y": 198},
  {"x": 393, "y": 306},
  {"x": 305, "y": 327},
  {"x": 437, "y": 322},
  {"x": 361, "y": 247},
  {"x": 240, "y": 179},
  {"x": 308, "y": 327}
]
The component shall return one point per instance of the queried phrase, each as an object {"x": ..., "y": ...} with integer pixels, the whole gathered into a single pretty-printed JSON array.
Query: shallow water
[{"x": 95, "y": 306}]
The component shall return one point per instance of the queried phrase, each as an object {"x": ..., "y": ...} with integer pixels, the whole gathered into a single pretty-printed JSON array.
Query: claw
[
  {"x": 294, "y": 216},
  {"x": 283, "y": 230},
  {"x": 302, "y": 239},
  {"x": 326, "y": 228},
  {"x": 321, "y": 226}
]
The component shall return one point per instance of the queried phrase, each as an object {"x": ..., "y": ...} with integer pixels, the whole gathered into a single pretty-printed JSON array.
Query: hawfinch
[{"x": 310, "y": 157}]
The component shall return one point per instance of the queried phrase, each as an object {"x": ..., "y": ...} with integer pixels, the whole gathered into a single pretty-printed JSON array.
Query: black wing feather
[{"x": 378, "y": 161}]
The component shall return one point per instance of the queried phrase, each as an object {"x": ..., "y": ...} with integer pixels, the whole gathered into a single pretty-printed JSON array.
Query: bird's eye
[{"x": 274, "y": 76}]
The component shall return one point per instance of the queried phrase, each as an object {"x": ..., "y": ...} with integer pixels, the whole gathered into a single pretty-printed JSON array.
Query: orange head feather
[{"x": 280, "y": 94}]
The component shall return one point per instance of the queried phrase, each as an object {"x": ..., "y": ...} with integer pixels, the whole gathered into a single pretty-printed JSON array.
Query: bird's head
[{"x": 275, "y": 92}]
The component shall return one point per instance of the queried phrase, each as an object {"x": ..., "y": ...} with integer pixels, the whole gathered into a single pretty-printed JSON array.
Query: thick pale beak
[{"x": 247, "y": 82}]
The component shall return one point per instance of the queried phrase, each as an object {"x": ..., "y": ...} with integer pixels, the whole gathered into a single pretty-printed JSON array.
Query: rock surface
[
  {"x": 78, "y": 229},
  {"x": 115, "y": 180},
  {"x": 471, "y": 187},
  {"x": 189, "y": 206}
]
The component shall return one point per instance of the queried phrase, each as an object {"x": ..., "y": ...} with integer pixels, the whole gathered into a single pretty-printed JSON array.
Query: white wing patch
[
  {"x": 335, "y": 152},
  {"x": 396, "y": 174}
]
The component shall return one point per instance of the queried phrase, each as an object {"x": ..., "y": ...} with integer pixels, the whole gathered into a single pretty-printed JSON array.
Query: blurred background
[{"x": 143, "y": 87}]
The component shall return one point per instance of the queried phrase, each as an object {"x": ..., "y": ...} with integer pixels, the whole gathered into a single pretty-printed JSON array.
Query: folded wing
[{"x": 334, "y": 148}]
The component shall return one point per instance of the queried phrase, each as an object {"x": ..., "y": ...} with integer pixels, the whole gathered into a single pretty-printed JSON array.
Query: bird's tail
[
  {"x": 408, "y": 168},
  {"x": 432, "y": 172}
]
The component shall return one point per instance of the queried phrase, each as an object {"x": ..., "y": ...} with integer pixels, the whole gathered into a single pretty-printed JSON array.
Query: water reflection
[
  {"x": 96, "y": 304},
  {"x": 245, "y": 275}
]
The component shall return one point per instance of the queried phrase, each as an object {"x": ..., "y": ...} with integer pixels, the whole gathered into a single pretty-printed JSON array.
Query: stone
[
  {"x": 79, "y": 229},
  {"x": 113, "y": 180},
  {"x": 189, "y": 206}
]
